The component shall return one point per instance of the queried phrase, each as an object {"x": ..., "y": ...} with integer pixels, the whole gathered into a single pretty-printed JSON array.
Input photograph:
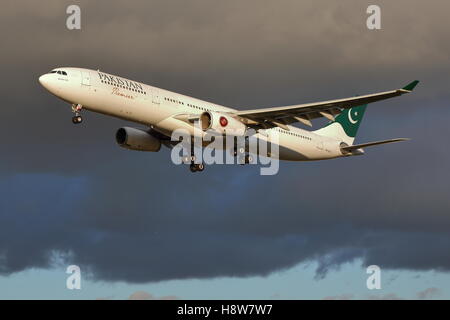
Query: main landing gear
[
  {"x": 242, "y": 156},
  {"x": 246, "y": 160},
  {"x": 76, "y": 109},
  {"x": 194, "y": 167},
  {"x": 197, "y": 167}
]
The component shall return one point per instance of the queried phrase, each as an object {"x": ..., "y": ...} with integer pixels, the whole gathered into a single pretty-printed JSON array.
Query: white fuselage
[{"x": 154, "y": 107}]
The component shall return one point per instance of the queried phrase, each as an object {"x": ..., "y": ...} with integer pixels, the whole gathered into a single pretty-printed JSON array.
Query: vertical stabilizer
[{"x": 345, "y": 126}]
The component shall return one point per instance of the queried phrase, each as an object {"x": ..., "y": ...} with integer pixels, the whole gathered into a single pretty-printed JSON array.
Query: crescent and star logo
[{"x": 350, "y": 117}]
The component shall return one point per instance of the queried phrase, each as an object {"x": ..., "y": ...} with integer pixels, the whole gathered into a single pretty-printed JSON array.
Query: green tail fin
[
  {"x": 345, "y": 125},
  {"x": 350, "y": 119}
]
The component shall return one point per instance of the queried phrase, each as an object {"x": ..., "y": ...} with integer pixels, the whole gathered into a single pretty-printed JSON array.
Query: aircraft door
[
  {"x": 85, "y": 78},
  {"x": 155, "y": 97},
  {"x": 320, "y": 145}
]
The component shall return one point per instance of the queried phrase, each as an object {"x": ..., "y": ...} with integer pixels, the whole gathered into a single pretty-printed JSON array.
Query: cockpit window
[{"x": 59, "y": 72}]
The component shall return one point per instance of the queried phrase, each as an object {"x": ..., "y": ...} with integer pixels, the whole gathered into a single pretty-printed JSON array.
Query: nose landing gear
[
  {"x": 76, "y": 109},
  {"x": 77, "y": 119}
]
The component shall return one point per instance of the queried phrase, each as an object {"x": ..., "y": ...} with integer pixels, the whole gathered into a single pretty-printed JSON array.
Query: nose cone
[
  {"x": 45, "y": 81},
  {"x": 51, "y": 84}
]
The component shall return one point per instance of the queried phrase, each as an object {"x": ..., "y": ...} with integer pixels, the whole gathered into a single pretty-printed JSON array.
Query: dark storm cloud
[{"x": 69, "y": 193}]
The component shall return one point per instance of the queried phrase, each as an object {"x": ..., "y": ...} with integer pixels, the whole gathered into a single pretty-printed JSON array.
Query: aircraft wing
[
  {"x": 282, "y": 116},
  {"x": 369, "y": 144}
]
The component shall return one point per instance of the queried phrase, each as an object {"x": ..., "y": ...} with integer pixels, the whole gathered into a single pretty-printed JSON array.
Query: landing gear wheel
[
  {"x": 246, "y": 160},
  {"x": 197, "y": 167},
  {"x": 77, "y": 119},
  {"x": 76, "y": 109},
  {"x": 186, "y": 159}
]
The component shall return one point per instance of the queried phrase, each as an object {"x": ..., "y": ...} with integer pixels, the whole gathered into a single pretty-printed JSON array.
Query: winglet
[{"x": 411, "y": 86}]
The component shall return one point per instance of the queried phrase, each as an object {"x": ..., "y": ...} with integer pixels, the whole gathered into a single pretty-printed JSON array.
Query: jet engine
[
  {"x": 222, "y": 123},
  {"x": 136, "y": 139}
]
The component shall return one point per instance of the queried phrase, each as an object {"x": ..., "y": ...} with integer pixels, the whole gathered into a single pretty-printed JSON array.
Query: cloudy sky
[{"x": 136, "y": 223}]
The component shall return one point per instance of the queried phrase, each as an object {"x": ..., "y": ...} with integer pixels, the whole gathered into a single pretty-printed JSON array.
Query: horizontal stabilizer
[{"x": 369, "y": 144}]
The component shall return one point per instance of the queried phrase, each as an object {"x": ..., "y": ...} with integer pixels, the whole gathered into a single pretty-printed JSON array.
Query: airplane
[{"x": 162, "y": 111}]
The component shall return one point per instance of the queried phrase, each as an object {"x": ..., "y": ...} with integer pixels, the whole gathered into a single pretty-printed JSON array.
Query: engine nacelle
[
  {"x": 136, "y": 139},
  {"x": 222, "y": 123}
]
